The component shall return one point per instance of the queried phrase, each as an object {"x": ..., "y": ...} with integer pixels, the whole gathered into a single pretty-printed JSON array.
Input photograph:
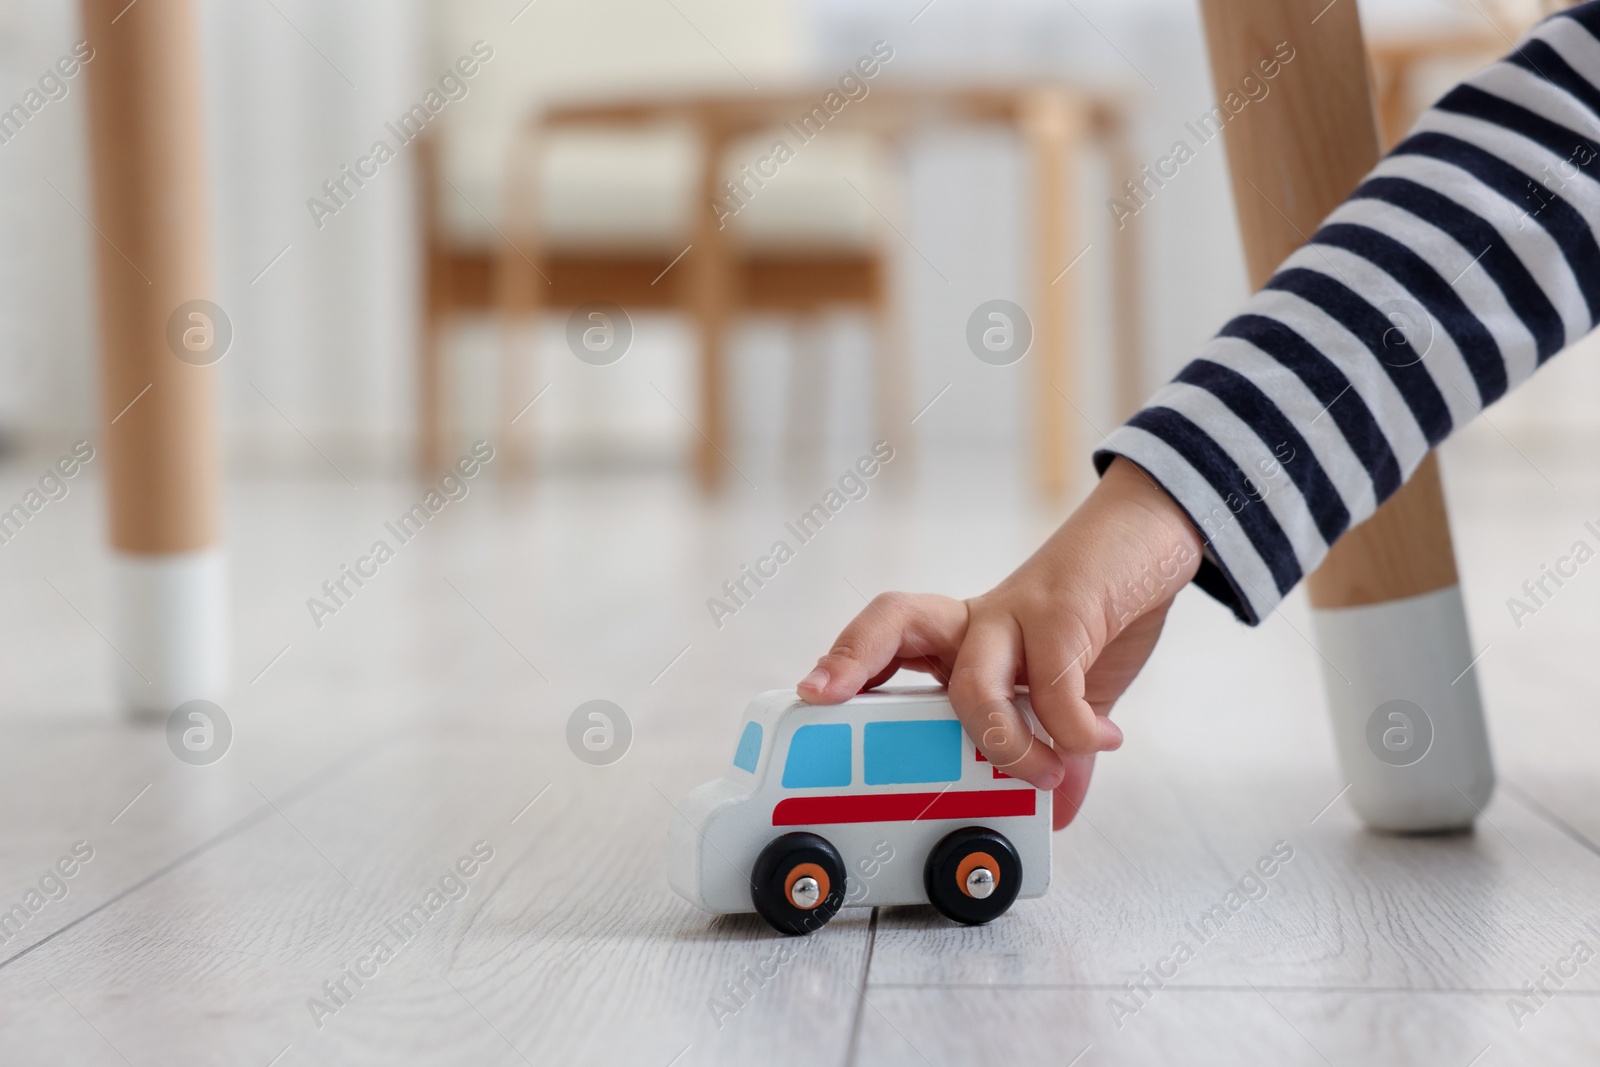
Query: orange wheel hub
[
  {"x": 807, "y": 870},
  {"x": 971, "y": 862}
]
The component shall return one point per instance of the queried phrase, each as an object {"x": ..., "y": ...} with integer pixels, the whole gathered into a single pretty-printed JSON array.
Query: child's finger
[
  {"x": 1056, "y": 668},
  {"x": 893, "y": 625},
  {"x": 940, "y": 669},
  {"x": 1070, "y": 793},
  {"x": 981, "y": 688}
]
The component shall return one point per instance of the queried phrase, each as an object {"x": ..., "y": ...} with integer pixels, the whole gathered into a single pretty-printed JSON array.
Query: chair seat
[{"x": 635, "y": 193}]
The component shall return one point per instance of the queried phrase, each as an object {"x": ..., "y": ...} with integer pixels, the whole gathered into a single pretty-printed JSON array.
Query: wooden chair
[
  {"x": 715, "y": 276},
  {"x": 706, "y": 275}
]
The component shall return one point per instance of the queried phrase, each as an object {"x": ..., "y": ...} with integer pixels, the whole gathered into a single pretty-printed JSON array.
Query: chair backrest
[{"x": 559, "y": 49}]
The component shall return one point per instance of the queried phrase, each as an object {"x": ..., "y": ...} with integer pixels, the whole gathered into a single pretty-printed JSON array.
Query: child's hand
[{"x": 1075, "y": 623}]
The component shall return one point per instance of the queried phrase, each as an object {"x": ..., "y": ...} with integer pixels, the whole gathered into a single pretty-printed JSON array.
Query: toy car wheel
[
  {"x": 798, "y": 883},
  {"x": 973, "y": 875}
]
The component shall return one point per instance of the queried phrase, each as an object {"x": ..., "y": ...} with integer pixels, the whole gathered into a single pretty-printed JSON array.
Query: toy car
[{"x": 882, "y": 800}]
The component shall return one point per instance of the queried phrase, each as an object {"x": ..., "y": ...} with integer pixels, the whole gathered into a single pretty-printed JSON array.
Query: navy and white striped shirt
[{"x": 1462, "y": 262}]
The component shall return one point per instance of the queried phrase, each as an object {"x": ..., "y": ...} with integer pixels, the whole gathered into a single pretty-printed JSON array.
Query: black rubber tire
[
  {"x": 768, "y": 883},
  {"x": 945, "y": 891}
]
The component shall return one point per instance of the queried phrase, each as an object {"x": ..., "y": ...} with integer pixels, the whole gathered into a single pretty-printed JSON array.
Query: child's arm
[
  {"x": 1466, "y": 259},
  {"x": 1460, "y": 264}
]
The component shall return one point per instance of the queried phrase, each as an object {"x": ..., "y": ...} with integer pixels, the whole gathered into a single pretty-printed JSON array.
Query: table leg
[
  {"x": 520, "y": 296},
  {"x": 434, "y": 396},
  {"x": 1387, "y": 607},
  {"x": 711, "y": 301},
  {"x": 1127, "y": 322},
  {"x": 1052, "y": 127},
  {"x": 895, "y": 379},
  {"x": 157, "y": 352}
]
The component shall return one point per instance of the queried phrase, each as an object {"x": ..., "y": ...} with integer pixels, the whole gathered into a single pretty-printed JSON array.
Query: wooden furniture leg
[
  {"x": 806, "y": 399},
  {"x": 711, "y": 300},
  {"x": 891, "y": 320},
  {"x": 159, "y": 410},
  {"x": 1127, "y": 321},
  {"x": 893, "y": 372},
  {"x": 1052, "y": 125},
  {"x": 433, "y": 386},
  {"x": 1407, "y": 716},
  {"x": 520, "y": 296},
  {"x": 1394, "y": 98}
]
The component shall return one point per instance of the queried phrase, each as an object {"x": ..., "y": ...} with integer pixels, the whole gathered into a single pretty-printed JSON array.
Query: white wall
[
  {"x": 327, "y": 333},
  {"x": 46, "y": 309}
]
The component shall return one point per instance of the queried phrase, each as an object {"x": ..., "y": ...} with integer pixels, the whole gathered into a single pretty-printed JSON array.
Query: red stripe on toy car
[{"x": 905, "y": 807}]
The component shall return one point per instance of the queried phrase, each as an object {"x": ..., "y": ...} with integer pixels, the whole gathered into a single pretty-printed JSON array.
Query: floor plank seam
[
  {"x": 1101, "y": 987},
  {"x": 313, "y": 782},
  {"x": 1522, "y": 796},
  {"x": 853, "y": 1049}
]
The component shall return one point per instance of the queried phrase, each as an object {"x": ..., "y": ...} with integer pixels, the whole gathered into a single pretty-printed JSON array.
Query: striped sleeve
[{"x": 1464, "y": 261}]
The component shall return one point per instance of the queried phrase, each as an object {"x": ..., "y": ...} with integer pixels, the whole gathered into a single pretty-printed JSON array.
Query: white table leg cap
[
  {"x": 1407, "y": 718},
  {"x": 170, "y": 624}
]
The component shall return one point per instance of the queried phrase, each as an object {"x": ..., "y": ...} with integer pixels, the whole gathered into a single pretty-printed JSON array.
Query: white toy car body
[{"x": 886, "y": 781}]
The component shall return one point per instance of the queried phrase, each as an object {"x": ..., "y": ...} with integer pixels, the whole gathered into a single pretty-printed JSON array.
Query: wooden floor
[{"x": 428, "y": 715}]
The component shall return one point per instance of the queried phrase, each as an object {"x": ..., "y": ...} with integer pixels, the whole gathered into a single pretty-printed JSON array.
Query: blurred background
[
  {"x": 330, "y": 332},
  {"x": 371, "y": 346}
]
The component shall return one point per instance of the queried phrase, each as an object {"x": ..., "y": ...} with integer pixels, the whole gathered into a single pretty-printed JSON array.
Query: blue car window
[
  {"x": 749, "y": 750},
  {"x": 819, "y": 755},
  {"x": 903, "y": 753}
]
